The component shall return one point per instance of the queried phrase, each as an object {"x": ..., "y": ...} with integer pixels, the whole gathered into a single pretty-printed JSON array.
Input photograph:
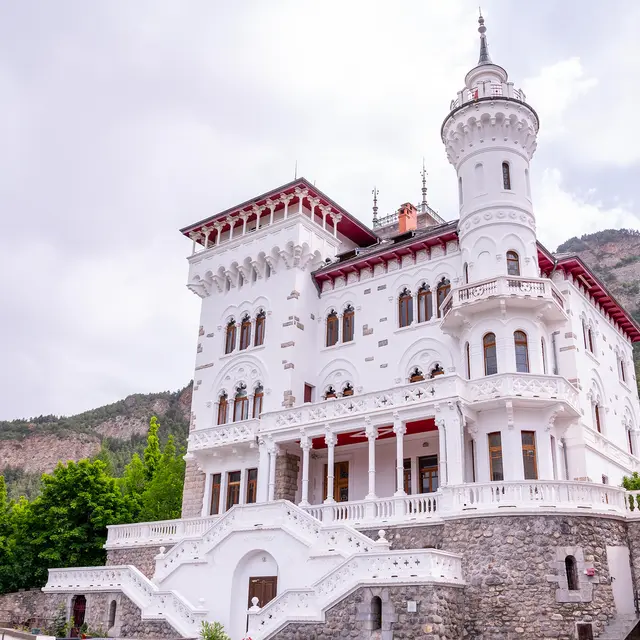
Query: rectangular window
[
  {"x": 233, "y": 488},
  {"x": 425, "y": 305},
  {"x": 308, "y": 392},
  {"x": 252, "y": 485},
  {"x": 495, "y": 457},
  {"x": 406, "y": 475},
  {"x": 348, "y": 325},
  {"x": 428, "y": 474},
  {"x": 214, "y": 508},
  {"x": 529, "y": 458}
]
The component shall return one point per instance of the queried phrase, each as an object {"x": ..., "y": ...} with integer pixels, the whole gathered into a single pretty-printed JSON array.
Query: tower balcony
[
  {"x": 488, "y": 90},
  {"x": 534, "y": 295}
]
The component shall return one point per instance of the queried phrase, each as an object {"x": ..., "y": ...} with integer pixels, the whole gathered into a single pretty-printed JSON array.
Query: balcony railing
[
  {"x": 156, "y": 533},
  {"x": 223, "y": 434},
  {"x": 488, "y": 90},
  {"x": 503, "y": 286},
  {"x": 432, "y": 389},
  {"x": 523, "y": 385}
]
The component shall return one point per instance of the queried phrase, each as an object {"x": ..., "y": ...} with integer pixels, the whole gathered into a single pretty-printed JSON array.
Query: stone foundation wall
[
  {"x": 287, "y": 468},
  {"x": 142, "y": 558},
  {"x": 193, "y": 492},
  {"x": 24, "y": 608},
  {"x": 633, "y": 535},
  {"x": 438, "y": 616},
  {"x": 514, "y": 570},
  {"x": 133, "y": 626}
]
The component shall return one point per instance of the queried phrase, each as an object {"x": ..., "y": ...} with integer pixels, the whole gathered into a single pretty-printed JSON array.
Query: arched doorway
[
  {"x": 78, "y": 609},
  {"x": 256, "y": 574}
]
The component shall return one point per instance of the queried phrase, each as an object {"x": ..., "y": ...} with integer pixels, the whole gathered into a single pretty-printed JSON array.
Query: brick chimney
[{"x": 407, "y": 218}]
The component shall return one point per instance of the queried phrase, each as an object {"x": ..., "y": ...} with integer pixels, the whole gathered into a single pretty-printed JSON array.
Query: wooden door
[
  {"x": 264, "y": 588},
  {"x": 78, "y": 611},
  {"x": 340, "y": 481}
]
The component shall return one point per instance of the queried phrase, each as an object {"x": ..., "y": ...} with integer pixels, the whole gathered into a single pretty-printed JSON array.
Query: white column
[
  {"x": 273, "y": 454},
  {"x": 399, "y": 428},
  {"x": 244, "y": 224},
  {"x": 258, "y": 211},
  {"x": 231, "y": 223},
  {"x": 272, "y": 208},
  {"x": 206, "y": 233},
  {"x": 224, "y": 476},
  {"x": 305, "y": 444},
  {"x": 330, "y": 440},
  {"x": 263, "y": 472},
  {"x": 194, "y": 238},
  {"x": 442, "y": 451},
  {"x": 286, "y": 200},
  {"x": 218, "y": 227},
  {"x": 243, "y": 486},
  {"x": 371, "y": 433}
]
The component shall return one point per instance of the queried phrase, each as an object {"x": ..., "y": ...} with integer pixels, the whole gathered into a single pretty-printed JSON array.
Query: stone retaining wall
[
  {"x": 193, "y": 492},
  {"x": 438, "y": 615},
  {"x": 142, "y": 558},
  {"x": 287, "y": 467},
  {"x": 514, "y": 570}
]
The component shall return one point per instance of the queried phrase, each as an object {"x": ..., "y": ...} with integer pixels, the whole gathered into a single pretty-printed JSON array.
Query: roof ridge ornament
[{"x": 485, "y": 58}]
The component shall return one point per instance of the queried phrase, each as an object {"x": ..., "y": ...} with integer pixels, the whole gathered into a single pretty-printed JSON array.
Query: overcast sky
[{"x": 123, "y": 121}]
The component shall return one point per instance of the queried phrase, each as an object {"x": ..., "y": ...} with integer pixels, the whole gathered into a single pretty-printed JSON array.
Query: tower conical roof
[{"x": 485, "y": 58}]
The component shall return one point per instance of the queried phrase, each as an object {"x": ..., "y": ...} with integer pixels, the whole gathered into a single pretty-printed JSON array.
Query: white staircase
[
  {"x": 385, "y": 567},
  {"x": 154, "y": 603}
]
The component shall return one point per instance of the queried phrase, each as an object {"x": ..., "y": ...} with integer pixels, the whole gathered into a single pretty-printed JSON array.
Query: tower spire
[
  {"x": 423, "y": 205},
  {"x": 375, "y": 206},
  {"x": 485, "y": 58}
]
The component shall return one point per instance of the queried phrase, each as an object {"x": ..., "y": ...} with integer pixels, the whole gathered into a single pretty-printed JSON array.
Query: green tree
[
  {"x": 162, "y": 498},
  {"x": 152, "y": 453}
]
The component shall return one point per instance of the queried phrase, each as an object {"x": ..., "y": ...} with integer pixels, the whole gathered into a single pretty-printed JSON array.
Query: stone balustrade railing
[
  {"x": 156, "y": 533},
  {"x": 523, "y": 385},
  {"x": 488, "y": 90},
  {"x": 223, "y": 434},
  {"x": 380, "y": 510},
  {"x": 502, "y": 286},
  {"x": 387, "y": 567},
  {"x": 155, "y": 604},
  {"x": 337, "y": 409}
]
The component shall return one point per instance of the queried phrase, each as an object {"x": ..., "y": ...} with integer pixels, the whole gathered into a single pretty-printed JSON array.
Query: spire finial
[
  {"x": 375, "y": 206},
  {"x": 423, "y": 173},
  {"x": 485, "y": 58}
]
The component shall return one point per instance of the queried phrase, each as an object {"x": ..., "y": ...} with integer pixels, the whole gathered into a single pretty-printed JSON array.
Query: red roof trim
[
  {"x": 348, "y": 226},
  {"x": 575, "y": 267}
]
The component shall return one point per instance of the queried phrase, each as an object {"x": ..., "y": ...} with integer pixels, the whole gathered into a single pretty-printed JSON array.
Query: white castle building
[{"x": 433, "y": 379}]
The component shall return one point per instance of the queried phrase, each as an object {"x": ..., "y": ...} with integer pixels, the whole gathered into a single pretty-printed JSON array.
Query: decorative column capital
[
  {"x": 195, "y": 235},
  {"x": 306, "y": 443},
  {"x": 325, "y": 209},
  {"x": 399, "y": 428},
  {"x": 206, "y": 230},
  {"x": 371, "y": 431},
  {"x": 330, "y": 439},
  {"x": 286, "y": 198}
]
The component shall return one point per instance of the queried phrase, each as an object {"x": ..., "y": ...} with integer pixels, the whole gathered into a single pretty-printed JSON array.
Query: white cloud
[{"x": 561, "y": 214}]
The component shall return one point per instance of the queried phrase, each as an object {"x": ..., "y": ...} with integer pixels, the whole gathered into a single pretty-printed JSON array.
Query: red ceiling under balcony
[{"x": 385, "y": 432}]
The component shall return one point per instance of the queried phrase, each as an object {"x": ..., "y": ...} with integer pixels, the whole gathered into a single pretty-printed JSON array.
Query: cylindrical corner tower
[{"x": 490, "y": 136}]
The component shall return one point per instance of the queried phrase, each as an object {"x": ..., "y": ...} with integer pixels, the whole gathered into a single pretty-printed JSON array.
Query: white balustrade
[
  {"x": 154, "y": 603},
  {"x": 387, "y": 567},
  {"x": 488, "y": 90},
  {"x": 524, "y": 385},
  {"x": 503, "y": 286},
  {"x": 558, "y": 495},
  {"x": 156, "y": 533},
  {"x": 335, "y": 409},
  {"x": 223, "y": 434}
]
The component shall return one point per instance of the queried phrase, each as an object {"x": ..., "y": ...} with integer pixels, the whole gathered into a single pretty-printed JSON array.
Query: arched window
[
  {"x": 260, "y": 324},
  {"x": 348, "y": 322},
  {"x": 222, "y": 409},
  {"x": 241, "y": 404},
  {"x": 112, "y": 614},
  {"x": 405, "y": 308},
  {"x": 258, "y": 394},
  {"x": 490, "y": 354},
  {"x": 416, "y": 375},
  {"x": 332, "y": 329},
  {"x": 376, "y": 613},
  {"x": 425, "y": 303},
  {"x": 506, "y": 176},
  {"x": 623, "y": 373},
  {"x": 230, "y": 341},
  {"x": 347, "y": 390},
  {"x": 544, "y": 356},
  {"x": 460, "y": 197},
  {"x": 590, "y": 341},
  {"x": 584, "y": 333},
  {"x": 513, "y": 263},
  {"x": 444, "y": 288},
  {"x": 522, "y": 351},
  {"x": 465, "y": 273},
  {"x": 630, "y": 442},
  {"x": 329, "y": 393},
  {"x": 467, "y": 360},
  {"x": 571, "y": 569},
  {"x": 245, "y": 333},
  {"x": 597, "y": 417},
  {"x": 436, "y": 371}
]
